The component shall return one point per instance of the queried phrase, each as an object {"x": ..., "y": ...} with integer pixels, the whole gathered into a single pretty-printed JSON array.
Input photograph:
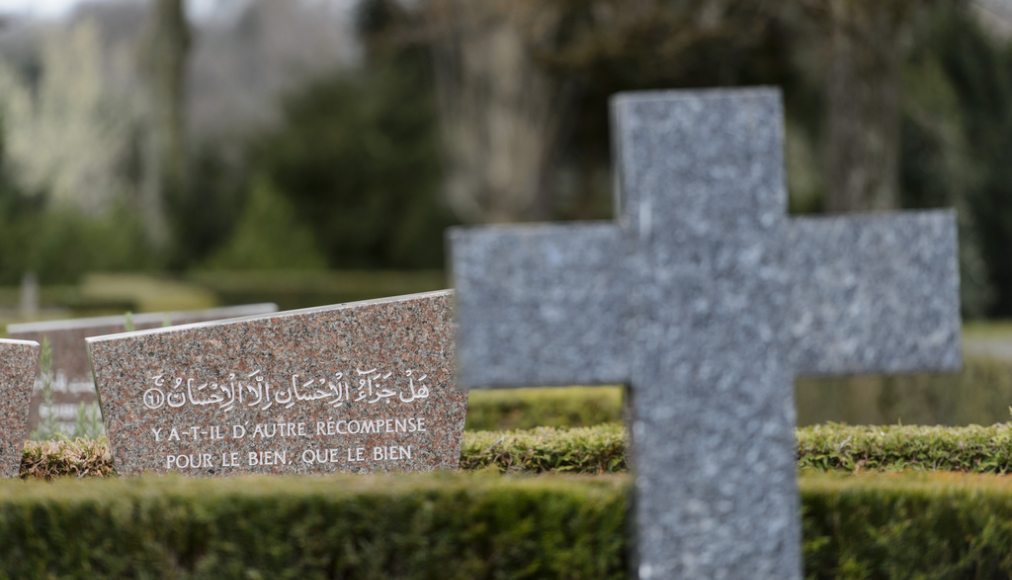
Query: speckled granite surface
[
  {"x": 19, "y": 362},
  {"x": 71, "y": 370},
  {"x": 360, "y": 387},
  {"x": 707, "y": 300}
]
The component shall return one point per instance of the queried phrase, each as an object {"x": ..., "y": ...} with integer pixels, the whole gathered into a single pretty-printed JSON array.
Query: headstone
[
  {"x": 707, "y": 300},
  {"x": 19, "y": 361},
  {"x": 72, "y": 383},
  {"x": 360, "y": 387}
]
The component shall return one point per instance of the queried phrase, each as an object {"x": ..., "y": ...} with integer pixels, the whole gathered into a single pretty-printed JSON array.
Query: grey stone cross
[{"x": 707, "y": 301}]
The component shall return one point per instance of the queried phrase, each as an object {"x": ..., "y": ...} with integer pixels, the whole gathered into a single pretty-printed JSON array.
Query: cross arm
[
  {"x": 877, "y": 293},
  {"x": 541, "y": 305}
]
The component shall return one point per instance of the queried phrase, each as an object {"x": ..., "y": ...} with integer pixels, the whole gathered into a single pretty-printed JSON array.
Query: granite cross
[{"x": 707, "y": 300}]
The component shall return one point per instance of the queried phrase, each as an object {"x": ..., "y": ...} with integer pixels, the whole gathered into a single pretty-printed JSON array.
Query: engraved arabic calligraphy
[{"x": 254, "y": 390}]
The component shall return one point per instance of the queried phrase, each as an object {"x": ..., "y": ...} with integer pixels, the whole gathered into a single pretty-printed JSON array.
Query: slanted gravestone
[
  {"x": 707, "y": 301},
  {"x": 19, "y": 360},
  {"x": 359, "y": 387},
  {"x": 72, "y": 385}
]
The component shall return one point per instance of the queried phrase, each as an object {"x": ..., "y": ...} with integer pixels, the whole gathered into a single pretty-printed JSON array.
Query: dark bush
[
  {"x": 405, "y": 526},
  {"x": 448, "y": 525}
]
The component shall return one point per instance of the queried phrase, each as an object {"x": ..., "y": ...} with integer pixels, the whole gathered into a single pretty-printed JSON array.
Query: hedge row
[
  {"x": 854, "y": 449},
  {"x": 920, "y": 525},
  {"x": 971, "y": 449},
  {"x": 507, "y": 409},
  {"x": 980, "y": 394},
  {"x": 402, "y": 526},
  {"x": 602, "y": 449},
  {"x": 464, "y": 525},
  {"x": 302, "y": 289},
  {"x": 599, "y": 449}
]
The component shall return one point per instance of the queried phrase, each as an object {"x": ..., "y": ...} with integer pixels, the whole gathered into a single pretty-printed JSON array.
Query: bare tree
[
  {"x": 501, "y": 114},
  {"x": 68, "y": 130},
  {"x": 863, "y": 44},
  {"x": 243, "y": 65},
  {"x": 165, "y": 67}
]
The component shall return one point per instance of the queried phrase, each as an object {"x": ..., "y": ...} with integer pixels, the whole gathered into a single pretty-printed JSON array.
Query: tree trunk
[
  {"x": 500, "y": 115},
  {"x": 165, "y": 151},
  {"x": 863, "y": 95}
]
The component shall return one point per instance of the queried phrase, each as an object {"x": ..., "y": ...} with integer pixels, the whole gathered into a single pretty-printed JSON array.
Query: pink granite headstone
[
  {"x": 71, "y": 381},
  {"x": 19, "y": 361},
  {"x": 360, "y": 387}
]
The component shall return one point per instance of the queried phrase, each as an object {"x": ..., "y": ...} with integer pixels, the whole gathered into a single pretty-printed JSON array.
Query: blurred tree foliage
[
  {"x": 60, "y": 244},
  {"x": 357, "y": 155},
  {"x": 203, "y": 216},
  {"x": 891, "y": 102},
  {"x": 888, "y": 103},
  {"x": 268, "y": 236},
  {"x": 957, "y": 135}
]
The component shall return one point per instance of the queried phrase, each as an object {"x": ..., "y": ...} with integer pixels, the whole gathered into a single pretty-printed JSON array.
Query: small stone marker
[
  {"x": 72, "y": 383},
  {"x": 707, "y": 301},
  {"x": 19, "y": 361},
  {"x": 358, "y": 387}
]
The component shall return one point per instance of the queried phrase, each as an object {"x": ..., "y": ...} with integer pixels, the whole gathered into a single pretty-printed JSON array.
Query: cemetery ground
[{"x": 544, "y": 490}]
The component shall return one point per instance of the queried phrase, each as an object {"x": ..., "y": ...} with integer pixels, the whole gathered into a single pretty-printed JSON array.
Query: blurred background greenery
[
  {"x": 170, "y": 154},
  {"x": 176, "y": 137}
]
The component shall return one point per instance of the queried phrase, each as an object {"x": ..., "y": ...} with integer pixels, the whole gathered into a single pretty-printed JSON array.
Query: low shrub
[
  {"x": 927, "y": 525},
  {"x": 468, "y": 525},
  {"x": 971, "y": 449},
  {"x": 598, "y": 449},
  {"x": 980, "y": 394},
  {"x": 403, "y": 526},
  {"x": 504, "y": 409},
  {"x": 602, "y": 449},
  {"x": 75, "y": 458}
]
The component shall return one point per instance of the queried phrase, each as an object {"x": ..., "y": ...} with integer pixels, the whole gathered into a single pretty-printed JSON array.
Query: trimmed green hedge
[
  {"x": 930, "y": 526},
  {"x": 505, "y": 409},
  {"x": 972, "y": 449},
  {"x": 980, "y": 394},
  {"x": 601, "y": 449},
  {"x": 460, "y": 525},
  {"x": 402, "y": 526}
]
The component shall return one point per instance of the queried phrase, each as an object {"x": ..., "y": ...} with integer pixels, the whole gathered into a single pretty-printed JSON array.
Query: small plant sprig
[
  {"x": 89, "y": 422},
  {"x": 48, "y": 428}
]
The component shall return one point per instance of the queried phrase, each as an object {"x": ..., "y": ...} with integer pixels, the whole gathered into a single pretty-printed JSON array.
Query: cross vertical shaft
[{"x": 713, "y": 421}]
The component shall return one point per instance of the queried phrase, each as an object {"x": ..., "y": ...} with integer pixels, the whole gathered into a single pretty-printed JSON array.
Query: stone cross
[
  {"x": 707, "y": 300},
  {"x": 19, "y": 361}
]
